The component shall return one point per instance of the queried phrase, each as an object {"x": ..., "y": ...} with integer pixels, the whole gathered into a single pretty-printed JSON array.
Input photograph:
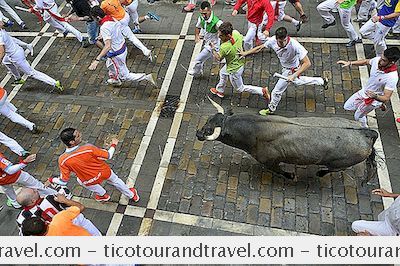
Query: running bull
[{"x": 333, "y": 143}]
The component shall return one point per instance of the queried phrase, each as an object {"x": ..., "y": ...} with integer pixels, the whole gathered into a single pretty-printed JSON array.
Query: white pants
[
  {"x": 252, "y": 31},
  {"x": 396, "y": 27},
  {"x": 117, "y": 69},
  {"x": 127, "y": 32},
  {"x": 17, "y": 62},
  {"x": 282, "y": 84},
  {"x": 11, "y": 144},
  {"x": 325, "y": 8},
  {"x": 82, "y": 221},
  {"x": 201, "y": 58},
  {"x": 9, "y": 111},
  {"x": 236, "y": 81},
  {"x": 366, "y": 9},
  {"x": 26, "y": 180},
  {"x": 375, "y": 228},
  {"x": 9, "y": 10},
  {"x": 132, "y": 11},
  {"x": 61, "y": 26},
  {"x": 376, "y": 32},
  {"x": 356, "y": 103},
  {"x": 113, "y": 180},
  {"x": 281, "y": 12}
]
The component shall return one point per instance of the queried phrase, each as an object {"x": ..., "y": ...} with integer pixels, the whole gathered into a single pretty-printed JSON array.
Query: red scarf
[
  {"x": 392, "y": 68},
  {"x": 105, "y": 19}
]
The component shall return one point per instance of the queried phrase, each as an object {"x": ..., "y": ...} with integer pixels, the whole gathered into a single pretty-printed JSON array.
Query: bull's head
[{"x": 212, "y": 129}]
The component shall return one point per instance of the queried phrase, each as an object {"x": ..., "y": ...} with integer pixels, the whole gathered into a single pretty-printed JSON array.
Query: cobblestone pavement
[{"x": 189, "y": 187}]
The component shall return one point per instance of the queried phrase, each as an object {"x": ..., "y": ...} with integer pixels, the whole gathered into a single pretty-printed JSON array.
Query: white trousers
[
  {"x": 282, "y": 84},
  {"x": 325, "y": 8},
  {"x": 366, "y": 9},
  {"x": 396, "y": 27},
  {"x": 117, "y": 69},
  {"x": 201, "y": 58},
  {"x": 17, "y": 62},
  {"x": 132, "y": 11},
  {"x": 113, "y": 180},
  {"x": 376, "y": 32},
  {"x": 127, "y": 32},
  {"x": 236, "y": 81},
  {"x": 253, "y": 30},
  {"x": 61, "y": 26},
  {"x": 9, "y": 10},
  {"x": 11, "y": 144},
  {"x": 356, "y": 103},
  {"x": 9, "y": 111},
  {"x": 375, "y": 228},
  {"x": 26, "y": 180},
  {"x": 82, "y": 221}
]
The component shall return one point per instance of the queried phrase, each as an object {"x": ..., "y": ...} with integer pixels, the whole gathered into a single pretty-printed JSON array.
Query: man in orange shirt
[
  {"x": 88, "y": 163},
  {"x": 61, "y": 225},
  {"x": 115, "y": 10},
  {"x": 12, "y": 173}
]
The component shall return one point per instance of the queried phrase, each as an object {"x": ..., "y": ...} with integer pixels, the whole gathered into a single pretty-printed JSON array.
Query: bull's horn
[
  {"x": 216, "y": 105},
  {"x": 215, "y": 135}
]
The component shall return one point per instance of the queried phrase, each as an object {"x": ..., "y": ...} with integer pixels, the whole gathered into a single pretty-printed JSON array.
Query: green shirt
[
  {"x": 347, "y": 4},
  {"x": 230, "y": 51}
]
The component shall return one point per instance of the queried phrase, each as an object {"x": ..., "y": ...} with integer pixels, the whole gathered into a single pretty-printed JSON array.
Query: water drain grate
[{"x": 170, "y": 105}]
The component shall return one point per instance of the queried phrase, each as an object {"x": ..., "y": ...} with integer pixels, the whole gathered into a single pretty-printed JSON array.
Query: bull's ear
[{"x": 229, "y": 112}]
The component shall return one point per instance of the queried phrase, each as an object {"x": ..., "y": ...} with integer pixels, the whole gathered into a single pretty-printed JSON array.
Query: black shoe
[
  {"x": 298, "y": 26},
  {"x": 85, "y": 43},
  {"x": 353, "y": 42},
  {"x": 326, "y": 25},
  {"x": 304, "y": 18},
  {"x": 326, "y": 80},
  {"x": 35, "y": 130}
]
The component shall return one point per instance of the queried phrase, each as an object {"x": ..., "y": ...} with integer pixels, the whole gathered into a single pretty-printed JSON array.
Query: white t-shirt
[
  {"x": 289, "y": 56},
  {"x": 208, "y": 36},
  {"x": 111, "y": 30},
  {"x": 392, "y": 215},
  {"x": 10, "y": 46},
  {"x": 379, "y": 80}
]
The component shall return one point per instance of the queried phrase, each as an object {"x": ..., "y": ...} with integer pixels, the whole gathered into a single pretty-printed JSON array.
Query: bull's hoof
[
  {"x": 290, "y": 176},
  {"x": 322, "y": 173}
]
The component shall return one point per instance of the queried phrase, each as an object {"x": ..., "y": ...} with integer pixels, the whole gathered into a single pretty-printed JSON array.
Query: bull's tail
[{"x": 371, "y": 162}]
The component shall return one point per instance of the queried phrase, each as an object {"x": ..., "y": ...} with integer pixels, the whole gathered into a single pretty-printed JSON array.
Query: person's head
[
  {"x": 281, "y": 37},
  {"x": 97, "y": 13},
  {"x": 390, "y": 57},
  {"x": 27, "y": 197},
  {"x": 33, "y": 226},
  {"x": 205, "y": 9},
  {"x": 225, "y": 31},
  {"x": 71, "y": 137}
]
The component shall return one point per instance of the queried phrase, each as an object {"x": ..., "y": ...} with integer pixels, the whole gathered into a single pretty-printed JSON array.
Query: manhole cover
[{"x": 170, "y": 105}]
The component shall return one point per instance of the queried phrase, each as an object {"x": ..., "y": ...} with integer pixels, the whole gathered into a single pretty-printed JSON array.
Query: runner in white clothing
[
  {"x": 12, "y": 145},
  {"x": 14, "y": 15},
  {"x": 13, "y": 57},
  {"x": 380, "y": 86},
  {"x": 131, "y": 7},
  {"x": 115, "y": 51},
  {"x": 50, "y": 14},
  {"x": 294, "y": 60}
]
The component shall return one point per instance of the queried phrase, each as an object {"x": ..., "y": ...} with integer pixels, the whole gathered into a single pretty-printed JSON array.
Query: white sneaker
[
  {"x": 150, "y": 56},
  {"x": 194, "y": 74},
  {"x": 30, "y": 48},
  {"x": 115, "y": 82},
  {"x": 152, "y": 79}
]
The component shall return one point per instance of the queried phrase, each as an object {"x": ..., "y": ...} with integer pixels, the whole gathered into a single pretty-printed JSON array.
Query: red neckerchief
[
  {"x": 105, "y": 19},
  {"x": 392, "y": 68},
  {"x": 27, "y": 208}
]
